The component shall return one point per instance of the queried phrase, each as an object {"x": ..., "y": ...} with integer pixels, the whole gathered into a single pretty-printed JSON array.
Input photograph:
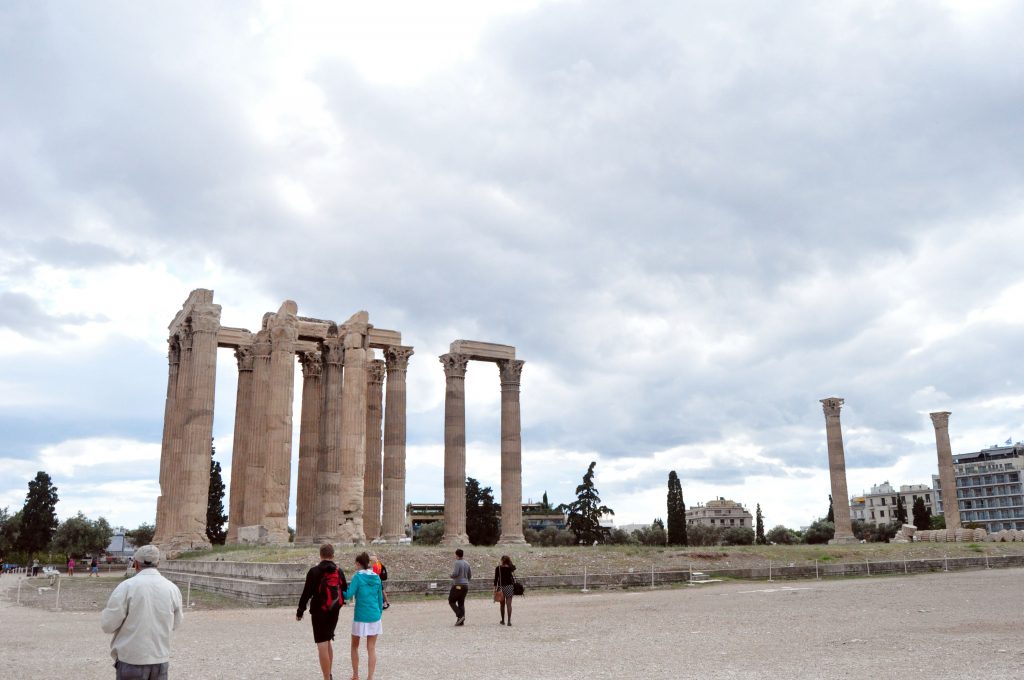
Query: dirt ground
[
  {"x": 416, "y": 562},
  {"x": 941, "y": 625}
]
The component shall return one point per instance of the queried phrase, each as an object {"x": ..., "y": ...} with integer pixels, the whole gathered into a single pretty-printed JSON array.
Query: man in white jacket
[{"x": 141, "y": 613}]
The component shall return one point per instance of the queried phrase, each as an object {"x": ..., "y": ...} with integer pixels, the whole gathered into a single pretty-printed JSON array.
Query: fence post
[
  {"x": 652, "y": 575},
  {"x": 585, "y": 581},
  {"x": 945, "y": 563},
  {"x": 20, "y": 581},
  {"x": 904, "y": 565},
  {"x": 769, "y": 571},
  {"x": 869, "y": 567},
  {"x": 189, "y": 597},
  {"x": 59, "y": 579},
  {"x": 986, "y": 561},
  {"x": 816, "y": 577}
]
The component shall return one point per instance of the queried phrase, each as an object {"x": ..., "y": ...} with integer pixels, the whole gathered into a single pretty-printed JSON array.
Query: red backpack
[{"x": 330, "y": 590}]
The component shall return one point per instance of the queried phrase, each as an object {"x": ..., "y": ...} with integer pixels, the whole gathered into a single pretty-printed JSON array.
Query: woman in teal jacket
[{"x": 366, "y": 589}]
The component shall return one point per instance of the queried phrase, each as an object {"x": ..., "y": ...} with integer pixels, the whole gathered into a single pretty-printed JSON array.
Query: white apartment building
[{"x": 879, "y": 506}]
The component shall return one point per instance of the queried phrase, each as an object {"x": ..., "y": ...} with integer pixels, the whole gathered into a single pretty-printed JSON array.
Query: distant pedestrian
[
  {"x": 35, "y": 567},
  {"x": 461, "y": 576},
  {"x": 94, "y": 567},
  {"x": 380, "y": 570},
  {"x": 71, "y": 566},
  {"x": 141, "y": 613},
  {"x": 368, "y": 593},
  {"x": 504, "y": 587},
  {"x": 324, "y": 593}
]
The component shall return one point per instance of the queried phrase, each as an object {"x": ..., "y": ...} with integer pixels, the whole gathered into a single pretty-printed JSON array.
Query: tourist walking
[
  {"x": 366, "y": 590},
  {"x": 324, "y": 593},
  {"x": 71, "y": 566},
  {"x": 141, "y": 613},
  {"x": 94, "y": 567},
  {"x": 504, "y": 587},
  {"x": 380, "y": 570},
  {"x": 461, "y": 575}
]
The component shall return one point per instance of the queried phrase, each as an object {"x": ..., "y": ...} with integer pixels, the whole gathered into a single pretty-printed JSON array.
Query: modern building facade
[
  {"x": 720, "y": 513},
  {"x": 989, "y": 490},
  {"x": 879, "y": 506},
  {"x": 535, "y": 516}
]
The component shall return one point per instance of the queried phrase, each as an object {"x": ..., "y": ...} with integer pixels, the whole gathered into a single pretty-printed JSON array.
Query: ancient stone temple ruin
[{"x": 351, "y": 485}]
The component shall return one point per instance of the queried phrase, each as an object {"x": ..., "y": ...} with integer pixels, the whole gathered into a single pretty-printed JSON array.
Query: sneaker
[{"x": 461, "y": 621}]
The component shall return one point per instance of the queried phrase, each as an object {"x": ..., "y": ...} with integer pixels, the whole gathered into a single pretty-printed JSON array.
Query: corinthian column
[
  {"x": 309, "y": 444},
  {"x": 190, "y": 527},
  {"x": 455, "y": 449},
  {"x": 283, "y": 334},
  {"x": 171, "y": 426},
  {"x": 328, "y": 461},
  {"x": 837, "y": 471},
  {"x": 353, "y": 430},
  {"x": 252, "y": 513},
  {"x": 372, "y": 474},
  {"x": 947, "y": 477},
  {"x": 397, "y": 361},
  {"x": 240, "y": 447},
  {"x": 511, "y": 454}
]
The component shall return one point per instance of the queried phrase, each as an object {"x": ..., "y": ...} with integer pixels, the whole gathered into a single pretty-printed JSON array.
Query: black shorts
[{"x": 324, "y": 624}]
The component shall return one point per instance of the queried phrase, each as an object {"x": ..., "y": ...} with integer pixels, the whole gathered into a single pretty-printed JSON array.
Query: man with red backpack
[{"x": 325, "y": 584}]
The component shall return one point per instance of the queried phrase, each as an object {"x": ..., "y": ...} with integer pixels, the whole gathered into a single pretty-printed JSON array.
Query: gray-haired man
[{"x": 141, "y": 613}]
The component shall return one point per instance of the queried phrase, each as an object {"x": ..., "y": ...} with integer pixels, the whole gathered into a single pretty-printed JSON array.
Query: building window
[
  {"x": 732, "y": 522},
  {"x": 881, "y": 513},
  {"x": 741, "y": 521}
]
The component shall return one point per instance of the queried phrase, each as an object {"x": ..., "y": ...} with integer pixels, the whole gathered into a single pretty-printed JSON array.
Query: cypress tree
[
  {"x": 759, "y": 531},
  {"x": 215, "y": 516},
  {"x": 38, "y": 515},
  {"x": 583, "y": 515},
  {"x": 901, "y": 510},
  {"x": 831, "y": 516},
  {"x": 922, "y": 518},
  {"x": 676, "y": 511}
]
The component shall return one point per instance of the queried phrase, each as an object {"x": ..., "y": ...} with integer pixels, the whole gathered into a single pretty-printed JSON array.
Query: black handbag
[{"x": 517, "y": 587}]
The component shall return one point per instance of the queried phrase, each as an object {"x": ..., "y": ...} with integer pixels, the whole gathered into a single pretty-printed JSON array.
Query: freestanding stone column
[
  {"x": 397, "y": 361},
  {"x": 190, "y": 527},
  {"x": 353, "y": 430},
  {"x": 328, "y": 461},
  {"x": 283, "y": 334},
  {"x": 511, "y": 454},
  {"x": 837, "y": 471},
  {"x": 373, "y": 471},
  {"x": 240, "y": 447},
  {"x": 255, "y": 476},
  {"x": 455, "y": 449},
  {"x": 171, "y": 425},
  {"x": 309, "y": 445},
  {"x": 947, "y": 477}
]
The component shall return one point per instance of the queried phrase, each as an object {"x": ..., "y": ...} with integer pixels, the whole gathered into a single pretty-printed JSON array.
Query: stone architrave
[
  {"x": 328, "y": 462},
  {"x": 372, "y": 476},
  {"x": 511, "y": 454},
  {"x": 255, "y": 476},
  {"x": 455, "y": 449},
  {"x": 353, "y": 430},
  {"x": 197, "y": 430},
  {"x": 837, "y": 471},
  {"x": 947, "y": 476},
  {"x": 309, "y": 446},
  {"x": 397, "y": 361},
  {"x": 283, "y": 328},
  {"x": 171, "y": 425},
  {"x": 240, "y": 446}
]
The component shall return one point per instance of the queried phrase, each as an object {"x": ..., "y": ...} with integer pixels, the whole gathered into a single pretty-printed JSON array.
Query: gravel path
[{"x": 955, "y": 625}]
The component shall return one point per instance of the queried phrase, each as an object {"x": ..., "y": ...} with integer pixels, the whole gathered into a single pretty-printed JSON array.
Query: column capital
[
  {"x": 173, "y": 350},
  {"x": 510, "y": 370},
  {"x": 244, "y": 357},
  {"x": 375, "y": 371},
  {"x": 940, "y": 418},
  {"x": 332, "y": 350},
  {"x": 311, "y": 363},
  {"x": 261, "y": 345},
  {"x": 832, "y": 406},
  {"x": 397, "y": 357},
  {"x": 284, "y": 326},
  {"x": 205, "y": 318},
  {"x": 454, "y": 364}
]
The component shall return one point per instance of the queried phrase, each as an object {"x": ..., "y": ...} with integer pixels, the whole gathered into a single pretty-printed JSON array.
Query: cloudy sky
[{"x": 693, "y": 220}]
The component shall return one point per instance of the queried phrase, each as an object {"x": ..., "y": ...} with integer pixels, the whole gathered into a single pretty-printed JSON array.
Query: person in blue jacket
[{"x": 368, "y": 594}]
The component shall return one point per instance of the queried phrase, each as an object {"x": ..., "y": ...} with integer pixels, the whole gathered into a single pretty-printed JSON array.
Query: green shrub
[
  {"x": 780, "y": 535},
  {"x": 738, "y": 536},
  {"x": 820, "y": 532},
  {"x": 430, "y": 534}
]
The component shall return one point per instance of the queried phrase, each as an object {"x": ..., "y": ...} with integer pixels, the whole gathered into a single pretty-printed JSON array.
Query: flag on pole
[{"x": 1009, "y": 440}]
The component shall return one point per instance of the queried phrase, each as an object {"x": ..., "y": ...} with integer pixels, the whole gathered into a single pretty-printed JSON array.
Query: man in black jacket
[{"x": 324, "y": 585}]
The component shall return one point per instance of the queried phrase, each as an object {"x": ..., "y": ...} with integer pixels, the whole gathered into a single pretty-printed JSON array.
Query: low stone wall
[{"x": 281, "y": 584}]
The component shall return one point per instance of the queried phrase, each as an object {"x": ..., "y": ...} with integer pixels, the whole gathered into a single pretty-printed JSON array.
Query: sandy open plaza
[{"x": 943, "y": 625}]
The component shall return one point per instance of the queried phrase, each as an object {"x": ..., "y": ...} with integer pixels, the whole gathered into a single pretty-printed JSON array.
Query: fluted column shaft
[
  {"x": 255, "y": 475},
  {"x": 190, "y": 529},
  {"x": 309, "y": 446},
  {"x": 171, "y": 425},
  {"x": 353, "y": 433},
  {"x": 397, "y": 362},
  {"x": 511, "y": 454},
  {"x": 455, "y": 449},
  {"x": 947, "y": 476},
  {"x": 837, "y": 471},
  {"x": 240, "y": 446},
  {"x": 283, "y": 334},
  {"x": 372, "y": 476},
  {"x": 328, "y": 462}
]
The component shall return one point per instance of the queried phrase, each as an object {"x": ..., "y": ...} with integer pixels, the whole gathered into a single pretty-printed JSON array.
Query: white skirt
[{"x": 363, "y": 629}]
